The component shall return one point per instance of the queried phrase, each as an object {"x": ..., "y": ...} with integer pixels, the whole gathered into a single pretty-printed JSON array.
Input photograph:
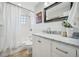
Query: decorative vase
[
  {"x": 69, "y": 32},
  {"x": 64, "y": 33}
]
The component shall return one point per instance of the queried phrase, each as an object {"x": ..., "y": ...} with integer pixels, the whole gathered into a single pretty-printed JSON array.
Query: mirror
[{"x": 57, "y": 11}]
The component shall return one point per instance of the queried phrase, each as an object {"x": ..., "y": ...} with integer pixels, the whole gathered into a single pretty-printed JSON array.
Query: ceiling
[{"x": 27, "y": 5}]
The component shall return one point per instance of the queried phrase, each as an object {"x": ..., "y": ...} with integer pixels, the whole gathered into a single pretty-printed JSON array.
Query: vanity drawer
[
  {"x": 62, "y": 50},
  {"x": 41, "y": 47}
]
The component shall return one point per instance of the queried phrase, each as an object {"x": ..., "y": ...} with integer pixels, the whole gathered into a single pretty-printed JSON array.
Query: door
[{"x": 41, "y": 47}]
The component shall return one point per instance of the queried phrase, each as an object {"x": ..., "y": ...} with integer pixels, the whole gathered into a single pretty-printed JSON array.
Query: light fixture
[
  {"x": 48, "y": 3},
  {"x": 19, "y": 4}
]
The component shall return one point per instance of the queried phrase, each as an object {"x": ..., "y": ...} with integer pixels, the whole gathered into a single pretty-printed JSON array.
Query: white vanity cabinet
[
  {"x": 62, "y": 50},
  {"x": 51, "y": 47},
  {"x": 41, "y": 47}
]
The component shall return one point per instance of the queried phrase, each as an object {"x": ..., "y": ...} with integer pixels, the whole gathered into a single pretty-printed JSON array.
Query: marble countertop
[{"x": 71, "y": 41}]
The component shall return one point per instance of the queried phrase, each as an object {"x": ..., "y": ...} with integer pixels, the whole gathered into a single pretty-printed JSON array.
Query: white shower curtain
[
  {"x": 9, "y": 16},
  {"x": 12, "y": 29}
]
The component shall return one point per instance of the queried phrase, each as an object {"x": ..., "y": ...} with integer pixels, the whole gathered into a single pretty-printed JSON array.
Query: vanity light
[
  {"x": 19, "y": 4},
  {"x": 48, "y": 3}
]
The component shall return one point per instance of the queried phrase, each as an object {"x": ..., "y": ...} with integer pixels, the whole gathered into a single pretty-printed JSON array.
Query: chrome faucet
[{"x": 48, "y": 30}]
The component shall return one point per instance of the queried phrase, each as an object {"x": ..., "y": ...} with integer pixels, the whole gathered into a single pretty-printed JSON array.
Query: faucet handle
[{"x": 49, "y": 30}]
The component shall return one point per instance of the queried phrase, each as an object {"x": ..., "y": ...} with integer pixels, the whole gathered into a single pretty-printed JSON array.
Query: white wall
[{"x": 43, "y": 26}]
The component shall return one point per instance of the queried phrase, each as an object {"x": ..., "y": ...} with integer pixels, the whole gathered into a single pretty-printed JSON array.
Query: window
[{"x": 23, "y": 19}]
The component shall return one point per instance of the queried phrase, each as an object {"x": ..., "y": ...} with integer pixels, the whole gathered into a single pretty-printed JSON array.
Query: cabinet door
[
  {"x": 62, "y": 50},
  {"x": 41, "y": 47},
  {"x": 77, "y": 52}
]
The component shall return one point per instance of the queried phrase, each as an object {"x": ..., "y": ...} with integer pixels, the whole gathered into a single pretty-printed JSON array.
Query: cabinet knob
[{"x": 39, "y": 41}]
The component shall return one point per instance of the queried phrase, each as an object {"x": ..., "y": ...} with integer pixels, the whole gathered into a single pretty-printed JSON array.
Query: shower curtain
[{"x": 14, "y": 19}]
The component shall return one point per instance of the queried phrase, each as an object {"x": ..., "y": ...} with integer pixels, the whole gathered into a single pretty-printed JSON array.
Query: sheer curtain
[
  {"x": 73, "y": 18},
  {"x": 16, "y": 22},
  {"x": 9, "y": 17}
]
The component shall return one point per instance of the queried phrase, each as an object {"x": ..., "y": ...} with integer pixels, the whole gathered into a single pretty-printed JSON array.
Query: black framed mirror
[{"x": 57, "y": 11}]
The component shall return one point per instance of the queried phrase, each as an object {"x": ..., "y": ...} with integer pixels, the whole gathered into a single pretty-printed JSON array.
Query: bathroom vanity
[
  {"x": 47, "y": 45},
  {"x": 54, "y": 45}
]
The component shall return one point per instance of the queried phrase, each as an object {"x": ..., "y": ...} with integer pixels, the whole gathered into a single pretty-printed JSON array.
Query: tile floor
[{"x": 22, "y": 53}]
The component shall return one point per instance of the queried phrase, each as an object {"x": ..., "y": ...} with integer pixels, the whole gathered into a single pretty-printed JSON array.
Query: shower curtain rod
[{"x": 20, "y": 7}]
